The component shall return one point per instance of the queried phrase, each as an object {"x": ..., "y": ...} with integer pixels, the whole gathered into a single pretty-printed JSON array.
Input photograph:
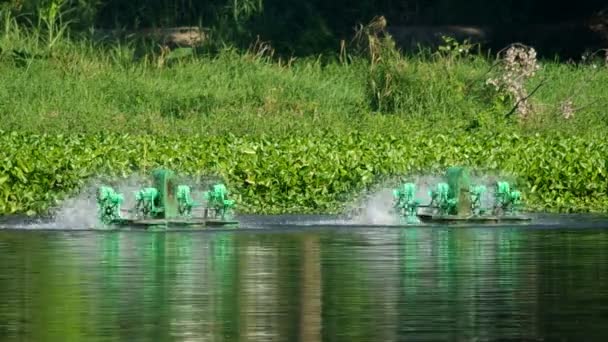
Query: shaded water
[{"x": 319, "y": 283}]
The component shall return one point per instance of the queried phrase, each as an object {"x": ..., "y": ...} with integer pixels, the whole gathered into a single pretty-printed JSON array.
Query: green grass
[
  {"x": 79, "y": 85},
  {"x": 432, "y": 110}
]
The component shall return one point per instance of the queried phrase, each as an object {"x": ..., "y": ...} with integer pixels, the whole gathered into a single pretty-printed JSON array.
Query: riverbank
[{"x": 303, "y": 135}]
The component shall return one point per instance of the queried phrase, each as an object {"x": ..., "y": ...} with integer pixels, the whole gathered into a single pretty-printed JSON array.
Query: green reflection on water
[
  {"x": 224, "y": 267},
  {"x": 451, "y": 283}
]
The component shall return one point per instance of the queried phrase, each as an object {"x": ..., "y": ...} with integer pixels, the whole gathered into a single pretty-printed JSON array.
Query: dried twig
[{"x": 524, "y": 99}]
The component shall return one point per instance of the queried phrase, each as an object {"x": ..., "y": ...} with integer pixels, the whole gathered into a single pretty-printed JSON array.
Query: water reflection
[
  {"x": 382, "y": 284},
  {"x": 454, "y": 281}
]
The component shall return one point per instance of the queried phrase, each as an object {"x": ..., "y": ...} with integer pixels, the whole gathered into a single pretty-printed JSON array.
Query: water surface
[{"x": 312, "y": 284}]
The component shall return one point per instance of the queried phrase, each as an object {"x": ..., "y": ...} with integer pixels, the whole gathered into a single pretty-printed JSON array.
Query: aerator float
[
  {"x": 167, "y": 203},
  {"x": 457, "y": 200}
]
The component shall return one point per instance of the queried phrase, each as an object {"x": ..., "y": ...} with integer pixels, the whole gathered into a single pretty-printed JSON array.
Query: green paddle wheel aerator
[
  {"x": 456, "y": 199},
  {"x": 167, "y": 203}
]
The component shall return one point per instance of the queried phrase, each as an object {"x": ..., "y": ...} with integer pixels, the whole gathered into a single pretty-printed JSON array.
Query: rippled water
[{"x": 313, "y": 284}]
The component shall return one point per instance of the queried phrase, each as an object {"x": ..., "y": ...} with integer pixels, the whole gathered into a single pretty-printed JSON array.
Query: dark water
[{"x": 373, "y": 284}]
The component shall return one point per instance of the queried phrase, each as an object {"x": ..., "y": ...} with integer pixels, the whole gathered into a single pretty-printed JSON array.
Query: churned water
[{"x": 275, "y": 280}]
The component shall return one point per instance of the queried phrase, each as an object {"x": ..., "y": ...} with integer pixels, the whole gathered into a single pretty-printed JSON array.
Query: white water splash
[
  {"x": 80, "y": 211},
  {"x": 377, "y": 207}
]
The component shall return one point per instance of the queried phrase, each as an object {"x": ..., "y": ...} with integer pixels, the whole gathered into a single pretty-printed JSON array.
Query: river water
[{"x": 307, "y": 283}]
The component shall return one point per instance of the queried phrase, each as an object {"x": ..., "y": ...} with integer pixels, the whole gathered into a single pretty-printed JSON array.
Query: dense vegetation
[
  {"x": 307, "y": 173},
  {"x": 294, "y": 135}
]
